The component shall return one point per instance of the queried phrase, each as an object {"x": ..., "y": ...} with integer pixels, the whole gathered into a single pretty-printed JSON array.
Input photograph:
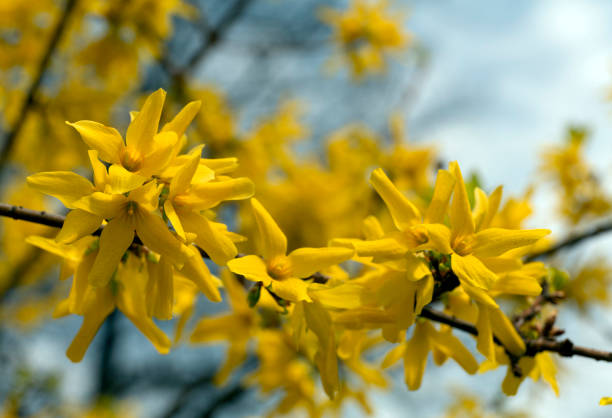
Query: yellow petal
[
  {"x": 195, "y": 269},
  {"x": 506, "y": 332},
  {"x": 78, "y": 224},
  {"x": 319, "y": 322},
  {"x": 484, "y": 340},
  {"x": 105, "y": 205},
  {"x": 606, "y": 400},
  {"x": 251, "y": 267},
  {"x": 182, "y": 120},
  {"x": 460, "y": 212},
  {"x": 161, "y": 276},
  {"x": 155, "y": 235},
  {"x": 116, "y": 238},
  {"x": 121, "y": 181},
  {"x": 404, "y": 213},
  {"x": 104, "y": 139},
  {"x": 454, "y": 348},
  {"x": 345, "y": 296},
  {"x": 235, "y": 356},
  {"x": 100, "y": 173},
  {"x": 89, "y": 328},
  {"x": 307, "y": 261},
  {"x": 219, "y": 247},
  {"x": 372, "y": 229},
  {"x": 493, "y": 242},
  {"x": 517, "y": 284},
  {"x": 470, "y": 269},
  {"x": 156, "y": 336},
  {"x": 64, "y": 185},
  {"x": 378, "y": 248},
  {"x": 548, "y": 370},
  {"x": 393, "y": 356},
  {"x": 182, "y": 179},
  {"x": 144, "y": 126},
  {"x": 291, "y": 289},
  {"x": 415, "y": 356},
  {"x": 494, "y": 201},
  {"x": 174, "y": 219},
  {"x": 159, "y": 154},
  {"x": 147, "y": 196},
  {"x": 220, "y": 328},
  {"x": 212, "y": 193},
  {"x": 273, "y": 242},
  {"x": 438, "y": 238},
  {"x": 445, "y": 182}
]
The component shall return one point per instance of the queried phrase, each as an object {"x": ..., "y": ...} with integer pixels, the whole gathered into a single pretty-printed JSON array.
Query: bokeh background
[{"x": 489, "y": 84}]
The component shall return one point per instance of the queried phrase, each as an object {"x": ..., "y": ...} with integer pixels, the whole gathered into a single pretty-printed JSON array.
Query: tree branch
[
  {"x": 11, "y": 137},
  {"x": 565, "y": 348},
  {"x": 571, "y": 241}
]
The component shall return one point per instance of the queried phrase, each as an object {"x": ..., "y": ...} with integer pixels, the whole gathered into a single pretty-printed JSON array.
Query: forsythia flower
[
  {"x": 283, "y": 273},
  {"x": 366, "y": 33}
]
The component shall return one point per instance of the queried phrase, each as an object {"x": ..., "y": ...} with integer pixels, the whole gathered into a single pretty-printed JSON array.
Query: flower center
[
  {"x": 463, "y": 245},
  {"x": 416, "y": 236},
  {"x": 131, "y": 160},
  {"x": 279, "y": 268}
]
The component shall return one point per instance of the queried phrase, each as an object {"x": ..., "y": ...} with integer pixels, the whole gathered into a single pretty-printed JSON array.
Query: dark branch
[
  {"x": 11, "y": 137},
  {"x": 564, "y": 348},
  {"x": 571, "y": 241}
]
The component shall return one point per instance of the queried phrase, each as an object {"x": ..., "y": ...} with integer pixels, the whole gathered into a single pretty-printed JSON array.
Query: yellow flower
[
  {"x": 283, "y": 273},
  {"x": 145, "y": 152},
  {"x": 126, "y": 215}
]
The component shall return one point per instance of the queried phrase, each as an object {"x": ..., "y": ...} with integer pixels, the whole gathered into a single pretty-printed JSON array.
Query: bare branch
[{"x": 571, "y": 241}]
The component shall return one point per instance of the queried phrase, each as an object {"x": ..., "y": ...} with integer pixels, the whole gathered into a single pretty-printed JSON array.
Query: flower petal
[
  {"x": 251, "y": 267},
  {"x": 78, "y": 224},
  {"x": 144, "y": 126},
  {"x": 121, "y": 181},
  {"x": 461, "y": 219},
  {"x": 183, "y": 118},
  {"x": 104, "y": 139},
  {"x": 174, "y": 219},
  {"x": 307, "y": 261},
  {"x": 195, "y": 269},
  {"x": 159, "y": 154},
  {"x": 291, "y": 289},
  {"x": 471, "y": 270},
  {"x": 404, "y": 213},
  {"x": 105, "y": 205},
  {"x": 493, "y": 242},
  {"x": 210, "y": 194},
  {"x": 116, "y": 238},
  {"x": 272, "y": 241},
  {"x": 182, "y": 179},
  {"x": 415, "y": 355},
  {"x": 445, "y": 182},
  {"x": 155, "y": 235},
  {"x": 64, "y": 185},
  {"x": 219, "y": 247}
]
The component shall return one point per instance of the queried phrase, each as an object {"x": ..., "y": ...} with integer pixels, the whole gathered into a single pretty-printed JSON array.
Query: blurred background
[{"x": 492, "y": 85}]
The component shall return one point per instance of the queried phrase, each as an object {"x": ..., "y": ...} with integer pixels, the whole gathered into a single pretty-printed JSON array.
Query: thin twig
[
  {"x": 571, "y": 241},
  {"x": 565, "y": 347},
  {"x": 11, "y": 137}
]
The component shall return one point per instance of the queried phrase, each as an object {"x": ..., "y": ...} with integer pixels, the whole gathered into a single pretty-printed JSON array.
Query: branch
[
  {"x": 9, "y": 140},
  {"x": 213, "y": 38},
  {"x": 571, "y": 241},
  {"x": 565, "y": 348}
]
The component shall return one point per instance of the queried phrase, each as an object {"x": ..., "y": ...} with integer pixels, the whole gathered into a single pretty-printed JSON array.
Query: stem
[
  {"x": 571, "y": 241},
  {"x": 9, "y": 140}
]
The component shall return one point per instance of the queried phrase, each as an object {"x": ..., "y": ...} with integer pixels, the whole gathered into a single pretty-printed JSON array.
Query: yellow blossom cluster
[{"x": 366, "y": 33}]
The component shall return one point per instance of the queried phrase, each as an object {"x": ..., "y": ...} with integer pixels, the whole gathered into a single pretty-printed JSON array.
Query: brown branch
[
  {"x": 571, "y": 241},
  {"x": 565, "y": 348},
  {"x": 11, "y": 137}
]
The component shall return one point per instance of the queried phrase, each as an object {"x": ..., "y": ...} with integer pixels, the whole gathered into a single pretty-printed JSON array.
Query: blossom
[{"x": 283, "y": 273}]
